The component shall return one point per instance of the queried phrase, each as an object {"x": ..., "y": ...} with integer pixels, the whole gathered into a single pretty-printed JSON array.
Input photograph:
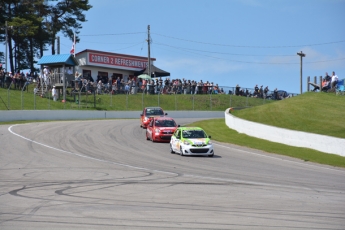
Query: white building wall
[{"x": 84, "y": 64}]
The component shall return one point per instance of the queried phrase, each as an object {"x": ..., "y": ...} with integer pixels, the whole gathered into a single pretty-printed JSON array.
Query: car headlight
[
  {"x": 157, "y": 130},
  {"x": 209, "y": 143},
  {"x": 186, "y": 142}
]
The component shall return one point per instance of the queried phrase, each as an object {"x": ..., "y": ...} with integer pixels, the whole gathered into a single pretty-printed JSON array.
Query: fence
[{"x": 88, "y": 96}]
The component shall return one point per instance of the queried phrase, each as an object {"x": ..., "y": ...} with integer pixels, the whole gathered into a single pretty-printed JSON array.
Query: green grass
[
  {"x": 218, "y": 130},
  {"x": 320, "y": 113}
]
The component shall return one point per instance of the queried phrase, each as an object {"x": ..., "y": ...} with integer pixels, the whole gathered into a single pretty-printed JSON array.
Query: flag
[{"x": 73, "y": 47}]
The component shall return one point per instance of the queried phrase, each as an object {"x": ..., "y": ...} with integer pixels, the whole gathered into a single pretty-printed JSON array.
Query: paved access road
[{"x": 106, "y": 175}]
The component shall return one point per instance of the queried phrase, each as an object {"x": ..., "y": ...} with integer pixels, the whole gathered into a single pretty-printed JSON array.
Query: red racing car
[
  {"x": 161, "y": 129},
  {"x": 150, "y": 112}
]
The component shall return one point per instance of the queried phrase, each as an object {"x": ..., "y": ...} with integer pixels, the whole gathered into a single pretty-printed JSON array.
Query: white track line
[{"x": 87, "y": 157}]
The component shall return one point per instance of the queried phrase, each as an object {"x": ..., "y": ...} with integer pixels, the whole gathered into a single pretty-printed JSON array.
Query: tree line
[{"x": 32, "y": 26}]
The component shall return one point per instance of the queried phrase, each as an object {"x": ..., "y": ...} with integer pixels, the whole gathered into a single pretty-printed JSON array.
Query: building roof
[{"x": 58, "y": 60}]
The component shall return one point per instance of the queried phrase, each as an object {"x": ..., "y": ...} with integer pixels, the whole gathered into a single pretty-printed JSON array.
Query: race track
[{"x": 106, "y": 175}]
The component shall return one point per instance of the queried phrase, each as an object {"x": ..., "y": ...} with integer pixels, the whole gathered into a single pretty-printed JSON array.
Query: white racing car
[{"x": 191, "y": 141}]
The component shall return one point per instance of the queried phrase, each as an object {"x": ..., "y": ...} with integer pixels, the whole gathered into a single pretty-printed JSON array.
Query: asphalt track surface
[{"x": 106, "y": 175}]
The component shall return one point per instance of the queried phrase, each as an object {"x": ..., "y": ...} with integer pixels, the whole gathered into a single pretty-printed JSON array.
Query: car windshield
[
  {"x": 165, "y": 123},
  {"x": 194, "y": 134},
  {"x": 151, "y": 112}
]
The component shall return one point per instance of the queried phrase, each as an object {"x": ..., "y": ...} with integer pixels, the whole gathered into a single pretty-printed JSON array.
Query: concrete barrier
[
  {"x": 21, "y": 115},
  {"x": 318, "y": 142}
]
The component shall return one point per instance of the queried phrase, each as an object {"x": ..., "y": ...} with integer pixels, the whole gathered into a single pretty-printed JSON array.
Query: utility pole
[
  {"x": 149, "y": 55},
  {"x": 58, "y": 44},
  {"x": 301, "y": 54}
]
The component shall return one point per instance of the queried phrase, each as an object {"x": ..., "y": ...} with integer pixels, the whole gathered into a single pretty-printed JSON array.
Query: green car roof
[
  {"x": 194, "y": 133},
  {"x": 190, "y": 128}
]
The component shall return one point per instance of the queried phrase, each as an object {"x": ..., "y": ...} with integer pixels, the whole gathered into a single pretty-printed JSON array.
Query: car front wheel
[
  {"x": 181, "y": 151},
  {"x": 171, "y": 149}
]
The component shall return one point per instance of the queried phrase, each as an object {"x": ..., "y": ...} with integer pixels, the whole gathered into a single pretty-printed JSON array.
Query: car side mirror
[
  {"x": 166, "y": 113},
  {"x": 178, "y": 125},
  {"x": 209, "y": 137},
  {"x": 141, "y": 114}
]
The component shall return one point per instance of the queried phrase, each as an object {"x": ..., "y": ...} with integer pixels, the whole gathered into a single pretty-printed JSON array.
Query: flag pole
[{"x": 74, "y": 45}]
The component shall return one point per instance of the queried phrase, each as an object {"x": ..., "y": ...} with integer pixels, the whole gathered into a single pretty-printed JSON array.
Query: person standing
[
  {"x": 327, "y": 77},
  {"x": 256, "y": 91},
  {"x": 54, "y": 93},
  {"x": 2, "y": 78},
  {"x": 127, "y": 87},
  {"x": 237, "y": 90},
  {"x": 261, "y": 91},
  {"x": 143, "y": 85},
  {"x": 266, "y": 91},
  {"x": 45, "y": 74},
  {"x": 275, "y": 94},
  {"x": 133, "y": 85},
  {"x": 118, "y": 83},
  {"x": 161, "y": 80},
  {"x": 99, "y": 87},
  {"x": 334, "y": 80},
  {"x": 188, "y": 87},
  {"x": 69, "y": 71}
]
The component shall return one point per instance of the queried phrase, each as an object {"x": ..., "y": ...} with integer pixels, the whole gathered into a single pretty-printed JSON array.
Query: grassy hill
[{"x": 320, "y": 113}]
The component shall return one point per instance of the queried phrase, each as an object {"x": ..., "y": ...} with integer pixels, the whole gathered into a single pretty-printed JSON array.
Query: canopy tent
[{"x": 155, "y": 72}]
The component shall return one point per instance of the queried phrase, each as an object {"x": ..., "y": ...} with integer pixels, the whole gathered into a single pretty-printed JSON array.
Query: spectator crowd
[
  {"x": 328, "y": 84},
  {"x": 117, "y": 85},
  {"x": 18, "y": 80}
]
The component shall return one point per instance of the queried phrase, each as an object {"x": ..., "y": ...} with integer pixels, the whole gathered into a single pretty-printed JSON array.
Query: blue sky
[{"x": 229, "y": 42}]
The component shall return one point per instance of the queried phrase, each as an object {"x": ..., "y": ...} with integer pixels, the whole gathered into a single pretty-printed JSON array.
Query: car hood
[
  {"x": 167, "y": 129},
  {"x": 198, "y": 141},
  {"x": 150, "y": 116}
]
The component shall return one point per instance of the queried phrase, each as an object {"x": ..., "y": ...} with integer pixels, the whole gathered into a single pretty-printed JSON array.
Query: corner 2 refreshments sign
[{"x": 125, "y": 62}]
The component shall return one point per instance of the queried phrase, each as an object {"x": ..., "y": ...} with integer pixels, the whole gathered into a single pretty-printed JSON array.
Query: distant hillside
[{"x": 320, "y": 113}]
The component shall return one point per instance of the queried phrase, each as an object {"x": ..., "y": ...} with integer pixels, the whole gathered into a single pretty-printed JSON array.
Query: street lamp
[{"x": 301, "y": 54}]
